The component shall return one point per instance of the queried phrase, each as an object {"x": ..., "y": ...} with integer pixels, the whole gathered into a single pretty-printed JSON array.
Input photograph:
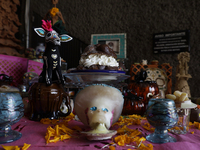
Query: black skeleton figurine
[{"x": 52, "y": 60}]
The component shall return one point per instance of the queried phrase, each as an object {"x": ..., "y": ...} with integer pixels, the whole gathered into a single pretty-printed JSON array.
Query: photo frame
[{"x": 115, "y": 41}]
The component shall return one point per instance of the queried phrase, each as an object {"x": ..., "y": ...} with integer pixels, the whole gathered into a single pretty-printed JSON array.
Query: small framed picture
[{"x": 115, "y": 41}]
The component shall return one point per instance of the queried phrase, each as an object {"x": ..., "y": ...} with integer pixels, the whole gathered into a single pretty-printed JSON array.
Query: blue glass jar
[
  {"x": 11, "y": 111},
  {"x": 161, "y": 114}
]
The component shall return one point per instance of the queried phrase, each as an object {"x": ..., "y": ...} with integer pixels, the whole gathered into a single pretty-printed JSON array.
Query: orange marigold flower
[{"x": 53, "y": 11}]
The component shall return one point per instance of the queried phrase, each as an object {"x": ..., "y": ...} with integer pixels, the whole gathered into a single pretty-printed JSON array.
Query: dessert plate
[
  {"x": 99, "y": 71},
  {"x": 99, "y": 136},
  {"x": 88, "y": 76}
]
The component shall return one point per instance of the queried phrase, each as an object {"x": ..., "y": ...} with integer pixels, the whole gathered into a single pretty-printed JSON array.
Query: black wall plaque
[{"x": 170, "y": 42}]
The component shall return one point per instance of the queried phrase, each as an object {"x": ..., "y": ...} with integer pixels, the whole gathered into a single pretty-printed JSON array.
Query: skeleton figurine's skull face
[
  {"x": 50, "y": 34},
  {"x": 53, "y": 37}
]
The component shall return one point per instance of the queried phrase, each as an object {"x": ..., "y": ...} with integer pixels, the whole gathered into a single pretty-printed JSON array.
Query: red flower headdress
[{"x": 47, "y": 25}]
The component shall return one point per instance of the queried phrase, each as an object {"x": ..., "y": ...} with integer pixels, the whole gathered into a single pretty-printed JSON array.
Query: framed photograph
[{"x": 115, "y": 41}]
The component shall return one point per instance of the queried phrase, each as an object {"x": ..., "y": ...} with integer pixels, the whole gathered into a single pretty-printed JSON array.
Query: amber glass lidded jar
[
  {"x": 48, "y": 101},
  {"x": 132, "y": 104},
  {"x": 144, "y": 89}
]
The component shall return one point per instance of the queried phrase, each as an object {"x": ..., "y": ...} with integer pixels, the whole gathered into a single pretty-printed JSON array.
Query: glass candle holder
[
  {"x": 182, "y": 126},
  {"x": 11, "y": 110},
  {"x": 161, "y": 114}
]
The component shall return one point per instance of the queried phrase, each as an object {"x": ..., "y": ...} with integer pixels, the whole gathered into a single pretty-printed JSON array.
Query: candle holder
[
  {"x": 161, "y": 114},
  {"x": 183, "y": 110},
  {"x": 11, "y": 110}
]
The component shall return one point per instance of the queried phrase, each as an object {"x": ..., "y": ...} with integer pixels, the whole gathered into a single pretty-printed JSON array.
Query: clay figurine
[
  {"x": 182, "y": 73},
  {"x": 56, "y": 19},
  {"x": 52, "y": 60}
]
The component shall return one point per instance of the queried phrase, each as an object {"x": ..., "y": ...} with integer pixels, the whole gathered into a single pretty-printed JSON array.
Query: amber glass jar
[
  {"x": 48, "y": 101},
  {"x": 143, "y": 88},
  {"x": 132, "y": 104}
]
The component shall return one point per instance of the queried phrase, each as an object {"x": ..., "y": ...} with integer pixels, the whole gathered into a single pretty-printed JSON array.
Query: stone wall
[{"x": 140, "y": 19}]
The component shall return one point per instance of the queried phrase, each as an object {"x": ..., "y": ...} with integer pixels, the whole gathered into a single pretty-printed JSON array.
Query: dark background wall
[{"x": 140, "y": 19}]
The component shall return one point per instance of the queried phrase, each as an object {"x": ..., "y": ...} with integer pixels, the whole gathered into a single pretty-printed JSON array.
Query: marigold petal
[
  {"x": 57, "y": 130},
  {"x": 64, "y": 137},
  {"x": 66, "y": 129},
  {"x": 45, "y": 121},
  {"x": 111, "y": 148},
  {"x": 121, "y": 143},
  {"x": 77, "y": 128},
  {"x": 26, "y": 146},
  {"x": 54, "y": 121},
  {"x": 54, "y": 140},
  {"x": 8, "y": 147}
]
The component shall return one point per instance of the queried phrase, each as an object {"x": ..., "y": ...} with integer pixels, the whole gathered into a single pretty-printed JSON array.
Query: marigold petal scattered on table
[
  {"x": 197, "y": 124},
  {"x": 111, "y": 148},
  {"x": 45, "y": 121},
  {"x": 25, "y": 147},
  {"x": 77, "y": 128}
]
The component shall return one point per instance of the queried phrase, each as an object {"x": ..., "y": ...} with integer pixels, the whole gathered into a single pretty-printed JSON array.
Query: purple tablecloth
[{"x": 34, "y": 132}]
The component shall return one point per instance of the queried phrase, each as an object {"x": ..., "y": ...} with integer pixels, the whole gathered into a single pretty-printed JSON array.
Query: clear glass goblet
[
  {"x": 161, "y": 114},
  {"x": 11, "y": 111}
]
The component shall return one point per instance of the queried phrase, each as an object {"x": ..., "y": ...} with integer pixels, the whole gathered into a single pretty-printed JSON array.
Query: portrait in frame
[{"x": 116, "y": 41}]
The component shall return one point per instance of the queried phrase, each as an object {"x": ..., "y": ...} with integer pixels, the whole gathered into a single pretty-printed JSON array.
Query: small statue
[
  {"x": 182, "y": 73},
  {"x": 52, "y": 60}
]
